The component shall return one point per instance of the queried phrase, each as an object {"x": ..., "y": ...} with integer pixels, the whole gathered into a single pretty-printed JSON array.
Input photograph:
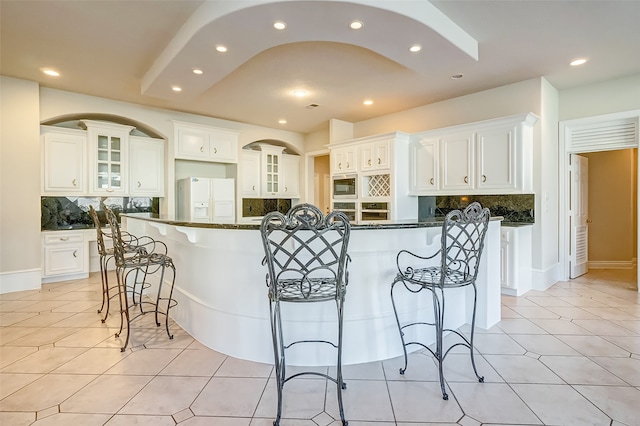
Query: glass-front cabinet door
[
  {"x": 271, "y": 170},
  {"x": 272, "y": 173},
  {"x": 109, "y": 162},
  {"x": 108, "y": 147}
]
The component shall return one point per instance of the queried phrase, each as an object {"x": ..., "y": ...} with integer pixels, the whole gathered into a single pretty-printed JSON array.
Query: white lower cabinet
[
  {"x": 65, "y": 255},
  {"x": 515, "y": 260}
]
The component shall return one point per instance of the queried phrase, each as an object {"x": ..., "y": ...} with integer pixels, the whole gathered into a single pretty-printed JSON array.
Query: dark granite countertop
[{"x": 172, "y": 220}]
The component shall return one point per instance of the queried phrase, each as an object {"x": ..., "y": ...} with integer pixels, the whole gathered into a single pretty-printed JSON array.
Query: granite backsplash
[
  {"x": 255, "y": 207},
  {"x": 514, "y": 208},
  {"x": 59, "y": 213}
]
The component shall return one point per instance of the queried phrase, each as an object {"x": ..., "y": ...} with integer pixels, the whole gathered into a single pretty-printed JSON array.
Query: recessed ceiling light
[
  {"x": 415, "y": 48},
  {"x": 577, "y": 62},
  {"x": 356, "y": 25},
  {"x": 282, "y": 121},
  {"x": 457, "y": 76},
  {"x": 299, "y": 93},
  {"x": 279, "y": 25},
  {"x": 52, "y": 73},
  {"x": 220, "y": 48},
  {"x": 368, "y": 102},
  {"x": 197, "y": 71},
  {"x": 176, "y": 88}
]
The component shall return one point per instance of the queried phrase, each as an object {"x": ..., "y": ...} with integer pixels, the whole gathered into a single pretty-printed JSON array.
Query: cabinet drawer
[{"x": 63, "y": 238}]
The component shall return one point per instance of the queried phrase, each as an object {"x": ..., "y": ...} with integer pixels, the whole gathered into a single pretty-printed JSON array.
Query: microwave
[{"x": 345, "y": 186}]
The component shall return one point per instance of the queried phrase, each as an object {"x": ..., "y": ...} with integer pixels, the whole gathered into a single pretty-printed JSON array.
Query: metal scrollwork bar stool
[
  {"x": 144, "y": 261},
  {"x": 306, "y": 257},
  {"x": 463, "y": 234},
  {"x": 105, "y": 255}
]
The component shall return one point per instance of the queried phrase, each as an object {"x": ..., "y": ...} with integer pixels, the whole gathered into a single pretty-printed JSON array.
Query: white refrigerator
[{"x": 206, "y": 200}]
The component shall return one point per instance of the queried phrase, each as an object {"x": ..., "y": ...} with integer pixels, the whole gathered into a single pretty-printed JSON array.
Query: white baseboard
[
  {"x": 542, "y": 279},
  {"x": 612, "y": 264},
  {"x": 20, "y": 280}
]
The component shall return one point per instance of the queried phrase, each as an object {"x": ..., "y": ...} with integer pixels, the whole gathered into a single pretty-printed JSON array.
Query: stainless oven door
[{"x": 345, "y": 187}]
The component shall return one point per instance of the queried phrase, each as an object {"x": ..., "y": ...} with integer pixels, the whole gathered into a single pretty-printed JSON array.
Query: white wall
[
  {"x": 20, "y": 247},
  {"x": 507, "y": 100},
  {"x": 622, "y": 94}
]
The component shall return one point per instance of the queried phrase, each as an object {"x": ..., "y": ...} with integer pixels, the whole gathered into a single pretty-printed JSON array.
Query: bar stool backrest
[
  {"x": 119, "y": 249},
  {"x": 463, "y": 234},
  {"x": 308, "y": 249},
  {"x": 102, "y": 249}
]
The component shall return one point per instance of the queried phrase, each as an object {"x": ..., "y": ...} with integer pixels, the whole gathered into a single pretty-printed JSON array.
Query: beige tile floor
[{"x": 566, "y": 356}]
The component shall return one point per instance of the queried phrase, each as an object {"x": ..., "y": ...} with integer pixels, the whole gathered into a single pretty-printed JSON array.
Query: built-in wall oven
[
  {"x": 345, "y": 186},
  {"x": 348, "y": 208},
  {"x": 374, "y": 212}
]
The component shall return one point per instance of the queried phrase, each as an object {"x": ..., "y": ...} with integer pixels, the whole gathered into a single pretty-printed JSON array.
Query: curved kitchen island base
[{"x": 222, "y": 294}]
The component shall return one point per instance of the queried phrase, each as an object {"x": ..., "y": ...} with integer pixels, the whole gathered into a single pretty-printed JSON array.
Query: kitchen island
[{"x": 222, "y": 295}]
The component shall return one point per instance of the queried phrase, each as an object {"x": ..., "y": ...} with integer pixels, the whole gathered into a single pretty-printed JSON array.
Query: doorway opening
[
  {"x": 318, "y": 180},
  {"x": 610, "y": 143}
]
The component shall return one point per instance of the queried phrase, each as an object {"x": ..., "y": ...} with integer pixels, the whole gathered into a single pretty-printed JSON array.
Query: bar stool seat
[{"x": 142, "y": 263}]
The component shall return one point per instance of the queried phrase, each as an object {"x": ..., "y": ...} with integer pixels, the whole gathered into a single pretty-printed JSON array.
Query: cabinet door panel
[
  {"x": 291, "y": 176},
  {"x": 146, "y": 159},
  {"x": 424, "y": 166},
  {"x": 223, "y": 148},
  {"x": 457, "y": 157},
  {"x": 250, "y": 174},
  {"x": 192, "y": 143},
  {"x": 64, "y": 163},
  {"x": 64, "y": 259},
  {"x": 496, "y": 159}
]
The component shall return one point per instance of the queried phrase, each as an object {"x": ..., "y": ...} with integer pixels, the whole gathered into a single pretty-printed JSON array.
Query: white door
[{"x": 578, "y": 215}]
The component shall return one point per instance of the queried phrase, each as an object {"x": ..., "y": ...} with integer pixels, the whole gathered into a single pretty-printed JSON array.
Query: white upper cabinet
[
  {"x": 375, "y": 155},
  {"x": 496, "y": 158},
  {"x": 250, "y": 167},
  {"x": 146, "y": 166},
  {"x": 290, "y": 176},
  {"x": 487, "y": 157},
  {"x": 423, "y": 167},
  {"x": 205, "y": 143},
  {"x": 108, "y": 157},
  {"x": 270, "y": 173},
  {"x": 63, "y": 161},
  {"x": 457, "y": 161},
  {"x": 344, "y": 160}
]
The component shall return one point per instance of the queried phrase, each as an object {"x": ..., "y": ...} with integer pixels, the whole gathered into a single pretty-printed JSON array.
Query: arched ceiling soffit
[{"x": 246, "y": 28}]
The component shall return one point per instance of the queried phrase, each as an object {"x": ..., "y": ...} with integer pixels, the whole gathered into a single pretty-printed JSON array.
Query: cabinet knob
[
  {"x": 139, "y": 184},
  {"x": 340, "y": 165},
  {"x": 286, "y": 188},
  {"x": 369, "y": 162},
  {"x": 431, "y": 181},
  {"x": 379, "y": 161},
  {"x": 466, "y": 179},
  {"x": 484, "y": 178},
  {"x": 215, "y": 150},
  {"x": 74, "y": 182},
  {"x": 110, "y": 190},
  {"x": 347, "y": 165},
  {"x": 75, "y": 253},
  {"x": 64, "y": 238},
  {"x": 253, "y": 188},
  {"x": 201, "y": 149}
]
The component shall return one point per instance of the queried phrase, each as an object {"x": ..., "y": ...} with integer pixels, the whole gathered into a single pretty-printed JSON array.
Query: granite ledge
[{"x": 172, "y": 220}]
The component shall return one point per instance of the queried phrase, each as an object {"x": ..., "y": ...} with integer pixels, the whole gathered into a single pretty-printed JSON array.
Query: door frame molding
[
  {"x": 309, "y": 192},
  {"x": 565, "y": 149}
]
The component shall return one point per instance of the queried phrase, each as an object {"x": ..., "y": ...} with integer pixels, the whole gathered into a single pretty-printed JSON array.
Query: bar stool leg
[
  {"x": 438, "y": 313},
  {"x": 278, "y": 351},
  {"x": 473, "y": 329},
  {"x": 340, "y": 384},
  {"x": 395, "y": 312}
]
